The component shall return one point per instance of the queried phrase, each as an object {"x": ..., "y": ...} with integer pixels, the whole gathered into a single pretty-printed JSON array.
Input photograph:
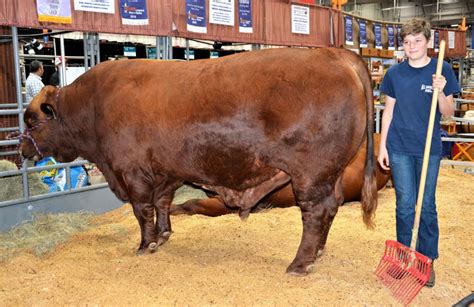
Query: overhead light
[
  {"x": 29, "y": 49},
  {"x": 37, "y": 45}
]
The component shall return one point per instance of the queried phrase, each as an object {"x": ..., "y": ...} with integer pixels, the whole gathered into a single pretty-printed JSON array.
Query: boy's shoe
[{"x": 431, "y": 281}]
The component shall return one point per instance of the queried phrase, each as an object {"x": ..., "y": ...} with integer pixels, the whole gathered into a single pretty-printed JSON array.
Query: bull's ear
[{"x": 49, "y": 110}]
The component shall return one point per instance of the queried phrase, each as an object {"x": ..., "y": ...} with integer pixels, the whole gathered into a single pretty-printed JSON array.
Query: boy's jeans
[{"x": 406, "y": 173}]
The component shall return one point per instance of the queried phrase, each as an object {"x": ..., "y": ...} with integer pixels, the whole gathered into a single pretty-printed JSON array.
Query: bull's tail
[{"x": 369, "y": 188}]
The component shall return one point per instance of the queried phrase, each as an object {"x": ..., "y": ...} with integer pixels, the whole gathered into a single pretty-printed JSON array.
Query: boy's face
[{"x": 415, "y": 46}]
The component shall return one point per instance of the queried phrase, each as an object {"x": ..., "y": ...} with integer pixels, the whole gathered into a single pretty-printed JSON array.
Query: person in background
[
  {"x": 55, "y": 77},
  {"x": 33, "y": 82},
  {"x": 408, "y": 88}
]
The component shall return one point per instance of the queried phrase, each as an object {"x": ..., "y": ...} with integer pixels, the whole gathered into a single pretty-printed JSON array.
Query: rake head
[{"x": 403, "y": 270}]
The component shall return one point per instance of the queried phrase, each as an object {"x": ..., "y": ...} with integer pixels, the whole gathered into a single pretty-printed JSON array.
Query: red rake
[{"x": 402, "y": 269}]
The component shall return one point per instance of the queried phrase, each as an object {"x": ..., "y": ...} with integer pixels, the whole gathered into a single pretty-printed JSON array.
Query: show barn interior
[{"x": 66, "y": 239}]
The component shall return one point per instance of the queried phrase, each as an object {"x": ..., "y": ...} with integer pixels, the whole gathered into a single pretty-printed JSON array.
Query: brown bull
[
  {"x": 352, "y": 183},
  {"x": 240, "y": 126}
]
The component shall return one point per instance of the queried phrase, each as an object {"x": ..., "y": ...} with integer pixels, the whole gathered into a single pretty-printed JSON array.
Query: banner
[
  {"x": 391, "y": 37},
  {"x": 431, "y": 42},
  {"x": 196, "y": 16},
  {"x": 348, "y": 27},
  {"x": 299, "y": 19},
  {"x": 133, "y": 12},
  {"x": 399, "y": 38},
  {"x": 57, "y": 11},
  {"x": 245, "y": 16},
  {"x": 378, "y": 35},
  {"x": 221, "y": 12},
  {"x": 363, "y": 33},
  {"x": 97, "y": 6},
  {"x": 451, "y": 39}
]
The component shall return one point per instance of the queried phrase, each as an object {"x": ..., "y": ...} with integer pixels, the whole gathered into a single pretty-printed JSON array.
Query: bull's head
[{"x": 43, "y": 128}]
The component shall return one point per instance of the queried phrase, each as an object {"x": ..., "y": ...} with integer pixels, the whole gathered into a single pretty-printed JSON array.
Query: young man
[
  {"x": 408, "y": 89},
  {"x": 33, "y": 82}
]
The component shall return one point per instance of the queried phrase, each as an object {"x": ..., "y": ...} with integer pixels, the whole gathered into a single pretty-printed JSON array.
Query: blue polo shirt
[{"x": 413, "y": 91}]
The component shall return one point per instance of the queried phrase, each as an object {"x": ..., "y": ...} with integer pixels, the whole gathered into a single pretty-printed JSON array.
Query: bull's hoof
[
  {"x": 298, "y": 270},
  {"x": 148, "y": 250},
  {"x": 163, "y": 238}
]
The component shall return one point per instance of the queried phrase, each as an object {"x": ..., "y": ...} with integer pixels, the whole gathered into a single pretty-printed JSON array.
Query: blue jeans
[{"x": 406, "y": 173}]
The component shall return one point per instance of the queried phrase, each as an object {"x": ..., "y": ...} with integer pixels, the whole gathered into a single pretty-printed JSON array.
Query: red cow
[{"x": 241, "y": 126}]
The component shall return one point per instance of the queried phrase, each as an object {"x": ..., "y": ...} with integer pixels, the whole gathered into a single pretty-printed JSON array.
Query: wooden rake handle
[{"x": 426, "y": 155}]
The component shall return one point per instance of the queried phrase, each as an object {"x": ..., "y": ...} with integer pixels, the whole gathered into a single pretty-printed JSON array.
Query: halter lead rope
[{"x": 26, "y": 134}]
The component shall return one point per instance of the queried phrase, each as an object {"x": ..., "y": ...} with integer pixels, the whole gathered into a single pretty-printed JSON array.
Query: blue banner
[
  {"x": 196, "y": 16},
  {"x": 363, "y": 33},
  {"x": 245, "y": 16},
  {"x": 348, "y": 27},
  {"x": 391, "y": 37},
  {"x": 378, "y": 35},
  {"x": 399, "y": 38},
  {"x": 134, "y": 12},
  {"x": 436, "y": 41}
]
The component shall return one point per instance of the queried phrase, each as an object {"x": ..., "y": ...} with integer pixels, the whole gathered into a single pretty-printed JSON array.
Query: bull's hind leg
[
  {"x": 318, "y": 208},
  {"x": 328, "y": 219}
]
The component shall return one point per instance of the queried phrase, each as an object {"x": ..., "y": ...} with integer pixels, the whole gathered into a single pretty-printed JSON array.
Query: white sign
[
  {"x": 98, "y": 6},
  {"x": 300, "y": 19},
  {"x": 221, "y": 12},
  {"x": 431, "y": 42},
  {"x": 451, "y": 36}
]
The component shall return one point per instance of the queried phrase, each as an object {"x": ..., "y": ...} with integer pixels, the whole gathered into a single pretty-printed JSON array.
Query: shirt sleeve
[
  {"x": 387, "y": 85},
  {"x": 452, "y": 85}
]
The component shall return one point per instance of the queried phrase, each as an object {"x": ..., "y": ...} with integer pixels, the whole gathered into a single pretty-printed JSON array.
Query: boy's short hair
[
  {"x": 35, "y": 66},
  {"x": 416, "y": 26}
]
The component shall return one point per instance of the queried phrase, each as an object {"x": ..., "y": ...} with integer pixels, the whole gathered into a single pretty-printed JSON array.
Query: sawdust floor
[{"x": 223, "y": 261}]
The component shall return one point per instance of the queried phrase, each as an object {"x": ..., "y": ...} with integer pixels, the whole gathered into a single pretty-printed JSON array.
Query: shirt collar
[{"x": 33, "y": 75}]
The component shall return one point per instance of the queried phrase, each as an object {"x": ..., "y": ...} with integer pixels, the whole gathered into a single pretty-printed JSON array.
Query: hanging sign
[
  {"x": 399, "y": 38},
  {"x": 245, "y": 16},
  {"x": 391, "y": 37},
  {"x": 133, "y": 12},
  {"x": 151, "y": 53},
  {"x": 299, "y": 19},
  {"x": 378, "y": 35},
  {"x": 348, "y": 27},
  {"x": 436, "y": 41},
  {"x": 129, "y": 51},
  {"x": 451, "y": 39},
  {"x": 56, "y": 11},
  {"x": 221, "y": 12},
  {"x": 196, "y": 16},
  {"x": 97, "y": 6},
  {"x": 363, "y": 33},
  {"x": 189, "y": 55},
  {"x": 431, "y": 42}
]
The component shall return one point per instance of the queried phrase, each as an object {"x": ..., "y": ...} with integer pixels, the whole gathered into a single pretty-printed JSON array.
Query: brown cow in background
[
  {"x": 352, "y": 183},
  {"x": 241, "y": 126}
]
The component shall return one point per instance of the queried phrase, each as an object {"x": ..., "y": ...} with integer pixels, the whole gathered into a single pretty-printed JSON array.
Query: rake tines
[{"x": 403, "y": 270}]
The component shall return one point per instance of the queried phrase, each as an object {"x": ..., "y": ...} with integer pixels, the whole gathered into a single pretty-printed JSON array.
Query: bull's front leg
[
  {"x": 163, "y": 222},
  {"x": 163, "y": 194},
  {"x": 145, "y": 215}
]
